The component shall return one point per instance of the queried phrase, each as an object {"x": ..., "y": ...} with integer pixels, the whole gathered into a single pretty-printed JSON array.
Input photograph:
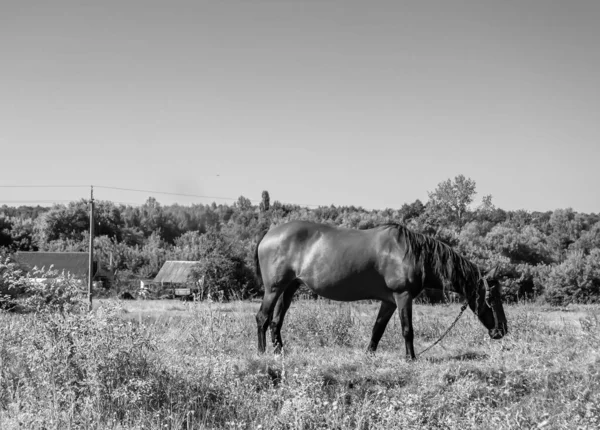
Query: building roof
[
  {"x": 76, "y": 263},
  {"x": 177, "y": 272}
]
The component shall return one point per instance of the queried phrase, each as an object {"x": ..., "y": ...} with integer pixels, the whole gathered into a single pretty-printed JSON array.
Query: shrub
[
  {"x": 47, "y": 291},
  {"x": 40, "y": 290},
  {"x": 73, "y": 369},
  {"x": 516, "y": 280},
  {"x": 527, "y": 245},
  {"x": 576, "y": 280},
  {"x": 222, "y": 267},
  {"x": 11, "y": 282}
]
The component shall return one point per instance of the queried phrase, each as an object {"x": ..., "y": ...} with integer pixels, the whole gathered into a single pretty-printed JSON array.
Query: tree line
[{"x": 552, "y": 256}]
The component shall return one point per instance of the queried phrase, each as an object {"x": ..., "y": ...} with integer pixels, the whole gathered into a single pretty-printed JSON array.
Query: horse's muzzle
[{"x": 498, "y": 332}]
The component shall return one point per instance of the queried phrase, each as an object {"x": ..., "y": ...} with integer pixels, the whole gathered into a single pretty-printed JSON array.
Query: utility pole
[{"x": 91, "y": 251}]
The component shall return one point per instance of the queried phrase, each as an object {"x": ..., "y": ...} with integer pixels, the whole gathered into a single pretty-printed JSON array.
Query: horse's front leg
[
  {"x": 404, "y": 303},
  {"x": 386, "y": 311}
]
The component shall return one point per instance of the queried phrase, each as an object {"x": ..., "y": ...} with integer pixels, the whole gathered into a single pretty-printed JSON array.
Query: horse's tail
[{"x": 257, "y": 271}]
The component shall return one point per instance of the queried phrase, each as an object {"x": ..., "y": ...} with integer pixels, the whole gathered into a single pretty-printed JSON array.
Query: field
[{"x": 175, "y": 365}]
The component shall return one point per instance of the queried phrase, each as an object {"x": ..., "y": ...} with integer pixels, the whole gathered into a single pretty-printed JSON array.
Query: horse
[{"x": 389, "y": 263}]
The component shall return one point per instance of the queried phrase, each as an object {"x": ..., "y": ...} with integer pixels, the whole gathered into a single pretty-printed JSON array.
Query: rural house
[
  {"x": 176, "y": 276},
  {"x": 75, "y": 263}
]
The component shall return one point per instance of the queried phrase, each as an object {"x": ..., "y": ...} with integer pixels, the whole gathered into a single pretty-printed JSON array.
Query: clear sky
[{"x": 317, "y": 101}]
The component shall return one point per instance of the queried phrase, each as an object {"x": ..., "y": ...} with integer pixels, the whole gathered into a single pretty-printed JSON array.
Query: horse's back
[
  {"x": 300, "y": 236},
  {"x": 290, "y": 242},
  {"x": 335, "y": 262}
]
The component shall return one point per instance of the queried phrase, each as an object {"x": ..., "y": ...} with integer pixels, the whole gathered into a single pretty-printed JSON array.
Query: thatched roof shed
[
  {"x": 175, "y": 272},
  {"x": 76, "y": 263}
]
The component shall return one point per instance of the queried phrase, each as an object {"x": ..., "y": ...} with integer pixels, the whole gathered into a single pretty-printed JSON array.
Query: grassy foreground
[{"x": 173, "y": 365}]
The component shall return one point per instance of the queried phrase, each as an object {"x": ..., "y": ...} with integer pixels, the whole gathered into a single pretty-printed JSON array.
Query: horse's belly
[{"x": 351, "y": 290}]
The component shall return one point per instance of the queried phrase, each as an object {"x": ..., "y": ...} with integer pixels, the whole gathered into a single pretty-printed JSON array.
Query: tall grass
[{"x": 171, "y": 365}]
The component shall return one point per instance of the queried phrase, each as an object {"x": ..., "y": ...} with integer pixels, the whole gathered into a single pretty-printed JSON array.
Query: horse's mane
[{"x": 445, "y": 262}]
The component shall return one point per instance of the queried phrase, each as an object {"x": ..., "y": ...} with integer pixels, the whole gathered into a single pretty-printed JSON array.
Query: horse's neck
[{"x": 435, "y": 282}]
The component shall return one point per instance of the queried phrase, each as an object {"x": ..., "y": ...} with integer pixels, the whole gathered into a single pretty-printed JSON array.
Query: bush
[
  {"x": 517, "y": 282},
  {"x": 528, "y": 245},
  {"x": 70, "y": 370},
  {"x": 576, "y": 280},
  {"x": 223, "y": 268},
  {"x": 11, "y": 282},
  {"x": 40, "y": 290}
]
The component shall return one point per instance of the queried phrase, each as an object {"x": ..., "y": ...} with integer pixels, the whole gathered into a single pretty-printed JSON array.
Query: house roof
[
  {"x": 175, "y": 271},
  {"x": 76, "y": 263}
]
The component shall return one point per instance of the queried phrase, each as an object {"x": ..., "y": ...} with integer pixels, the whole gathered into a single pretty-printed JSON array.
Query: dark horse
[{"x": 388, "y": 263}]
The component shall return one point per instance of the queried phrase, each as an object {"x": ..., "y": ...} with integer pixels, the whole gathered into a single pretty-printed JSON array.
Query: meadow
[{"x": 174, "y": 365}]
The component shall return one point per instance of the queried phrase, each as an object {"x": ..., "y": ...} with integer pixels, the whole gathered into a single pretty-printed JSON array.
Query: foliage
[
  {"x": 21, "y": 234},
  {"x": 193, "y": 367},
  {"x": 39, "y": 290},
  {"x": 222, "y": 268},
  {"x": 134, "y": 242},
  {"x": 451, "y": 199},
  {"x": 576, "y": 280},
  {"x": 265, "y": 203},
  {"x": 12, "y": 282},
  {"x": 77, "y": 370},
  {"x": 588, "y": 240},
  {"x": 522, "y": 246},
  {"x": 61, "y": 222},
  {"x": 5, "y": 229},
  {"x": 49, "y": 291},
  {"x": 411, "y": 211}
]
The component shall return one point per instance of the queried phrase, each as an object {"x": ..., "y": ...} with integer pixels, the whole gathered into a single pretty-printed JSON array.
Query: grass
[{"x": 176, "y": 365}]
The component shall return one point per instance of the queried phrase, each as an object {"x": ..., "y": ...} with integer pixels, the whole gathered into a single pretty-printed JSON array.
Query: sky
[{"x": 317, "y": 101}]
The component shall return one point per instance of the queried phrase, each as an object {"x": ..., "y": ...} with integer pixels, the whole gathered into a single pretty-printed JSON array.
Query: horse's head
[{"x": 489, "y": 305}]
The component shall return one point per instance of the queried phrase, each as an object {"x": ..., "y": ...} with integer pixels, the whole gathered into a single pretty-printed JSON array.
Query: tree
[
  {"x": 107, "y": 219},
  {"x": 451, "y": 199},
  {"x": 5, "y": 231},
  {"x": 244, "y": 203},
  {"x": 188, "y": 246},
  {"x": 410, "y": 211},
  {"x": 589, "y": 239},
  {"x": 150, "y": 218},
  {"x": 154, "y": 253},
  {"x": 527, "y": 245},
  {"x": 565, "y": 229},
  {"x": 22, "y": 234},
  {"x": 68, "y": 223},
  {"x": 575, "y": 280},
  {"x": 221, "y": 266},
  {"x": 265, "y": 204}
]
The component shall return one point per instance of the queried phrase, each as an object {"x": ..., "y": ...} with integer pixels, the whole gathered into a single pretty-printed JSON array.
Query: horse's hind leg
[
  {"x": 281, "y": 308},
  {"x": 265, "y": 314},
  {"x": 386, "y": 311},
  {"x": 263, "y": 317}
]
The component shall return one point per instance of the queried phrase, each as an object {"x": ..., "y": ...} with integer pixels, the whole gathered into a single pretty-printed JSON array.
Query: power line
[
  {"x": 192, "y": 195},
  {"x": 199, "y": 196},
  {"x": 168, "y": 193},
  {"x": 36, "y": 201},
  {"x": 44, "y": 186}
]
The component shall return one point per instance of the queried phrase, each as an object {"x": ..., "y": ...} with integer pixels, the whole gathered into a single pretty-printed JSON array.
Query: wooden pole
[{"x": 91, "y": 251}]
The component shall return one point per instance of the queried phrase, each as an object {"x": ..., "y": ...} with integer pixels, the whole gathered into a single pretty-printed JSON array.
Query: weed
[{"x": 197, "y": 367}]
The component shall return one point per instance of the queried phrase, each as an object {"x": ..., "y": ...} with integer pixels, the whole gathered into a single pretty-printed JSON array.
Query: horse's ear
[{"x": 492, "y": 273}]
